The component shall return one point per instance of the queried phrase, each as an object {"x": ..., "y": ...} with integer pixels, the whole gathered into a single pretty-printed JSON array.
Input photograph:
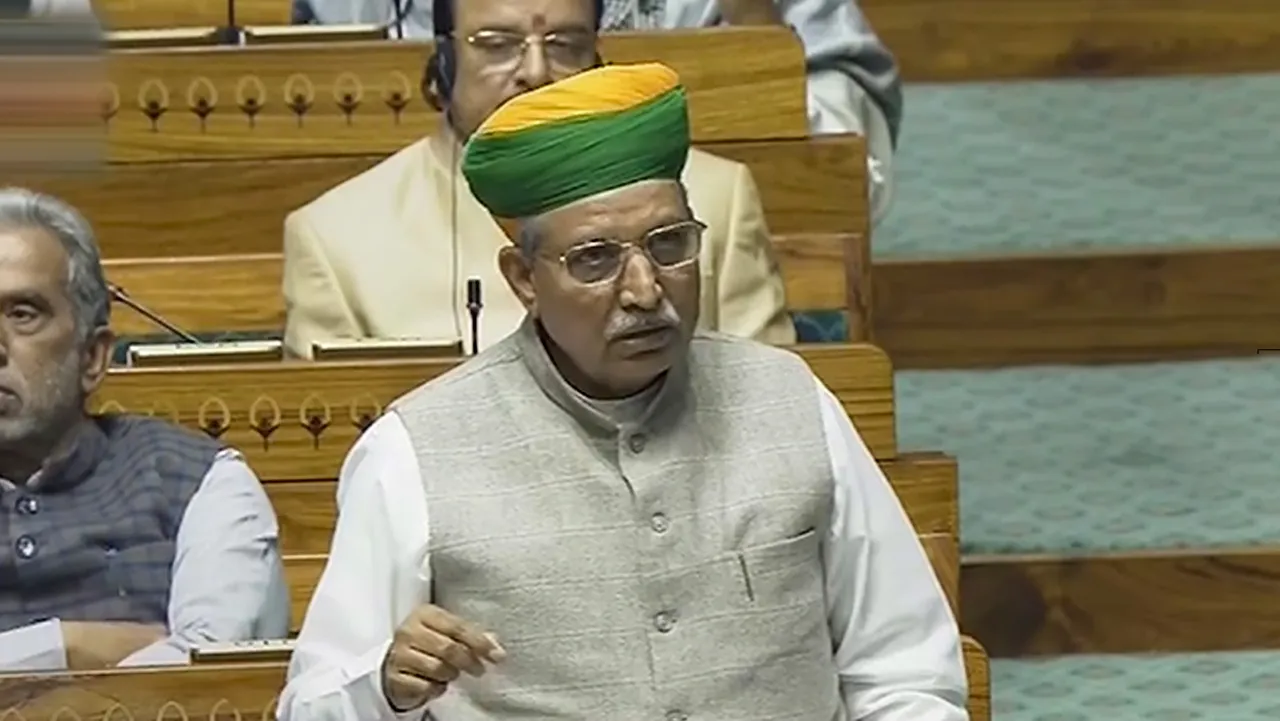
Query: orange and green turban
[{"x": 602, "y": 129}]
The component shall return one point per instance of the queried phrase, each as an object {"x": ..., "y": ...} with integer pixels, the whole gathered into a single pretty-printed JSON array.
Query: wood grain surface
[
  {"x": 236, "y": 692},
  {"x": 1150, "y": 304},
  {"x": 978, "y": 668},
  {"x": 163, "y": 14},
  {"x": 230, "y": 692},
  {"x": 216, "y": 208},
  {"x": 1173, "y": 601},
  {"x": 363, "y": 98},
  {"x": 993, "y": 40},
  {"x": 956, "y": 40},
  {"x": 297, "y": 420}
]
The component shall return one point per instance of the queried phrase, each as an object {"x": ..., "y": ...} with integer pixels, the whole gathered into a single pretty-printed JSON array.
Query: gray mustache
[{"x": 622, "y": 325}]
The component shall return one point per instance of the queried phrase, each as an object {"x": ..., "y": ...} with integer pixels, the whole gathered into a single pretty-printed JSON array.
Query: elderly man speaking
[{"x": 606, "y": 515}]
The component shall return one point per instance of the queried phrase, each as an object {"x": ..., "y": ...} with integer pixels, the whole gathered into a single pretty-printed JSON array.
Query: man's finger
[
  {"x": 464, "y": 632},
  {"x": 443, "y": 647},
  {"x": 415, "y": 663}
]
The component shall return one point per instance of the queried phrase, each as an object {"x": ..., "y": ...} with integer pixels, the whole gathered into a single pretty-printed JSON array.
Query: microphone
[
  {"x": 400, "y": 9},
  {"x": 119, "y": 294},
  {"x": 230, "y": 35},
  {"x": 473, "y": 307}
]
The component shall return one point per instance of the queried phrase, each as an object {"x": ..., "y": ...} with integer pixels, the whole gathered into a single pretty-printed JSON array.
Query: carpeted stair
[{"x": 1078, "y": 459}]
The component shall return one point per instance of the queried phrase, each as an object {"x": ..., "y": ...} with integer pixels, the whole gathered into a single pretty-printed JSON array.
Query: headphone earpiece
[{"x": 440, "y": 68}]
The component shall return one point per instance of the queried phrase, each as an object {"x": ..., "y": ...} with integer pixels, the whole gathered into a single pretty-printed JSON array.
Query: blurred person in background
[
  {"x": 852, "y": 78},
  {"x": 51, "y": 80}
]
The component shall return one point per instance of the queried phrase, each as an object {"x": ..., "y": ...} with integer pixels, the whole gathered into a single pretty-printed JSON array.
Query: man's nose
[
  {"x": 534, "y": 71},
  {"x": 640, "y": 286}
]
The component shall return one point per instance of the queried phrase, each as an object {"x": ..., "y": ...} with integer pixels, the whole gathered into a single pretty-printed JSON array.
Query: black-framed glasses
[
  {"x": 504, "y": 50},
  {"x": 601, "y": 261}
]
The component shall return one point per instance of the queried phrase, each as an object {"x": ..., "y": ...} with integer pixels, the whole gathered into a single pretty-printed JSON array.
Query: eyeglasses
[
  {"x": 505, "y": 50},
  {"x": 601, "y": 261}
]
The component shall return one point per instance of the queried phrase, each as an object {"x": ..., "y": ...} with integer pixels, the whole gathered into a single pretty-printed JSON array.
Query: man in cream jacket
[{"x": 388, "y": 253}]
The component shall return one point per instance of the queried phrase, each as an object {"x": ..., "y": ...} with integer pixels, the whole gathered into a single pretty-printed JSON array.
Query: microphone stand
[
  {"x": 119, "y": 294},
  {"x": 473, "y": 308}
]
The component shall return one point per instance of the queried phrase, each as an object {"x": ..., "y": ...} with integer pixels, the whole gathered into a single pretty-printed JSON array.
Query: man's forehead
[
  {"x": 633, "y": 209},
  {"x": 475, "y": 14},
  {"x": 31, "y": 254}
]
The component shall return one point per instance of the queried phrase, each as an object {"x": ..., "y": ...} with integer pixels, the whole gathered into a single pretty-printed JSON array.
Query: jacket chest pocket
[{"x": 784, "y": 574}]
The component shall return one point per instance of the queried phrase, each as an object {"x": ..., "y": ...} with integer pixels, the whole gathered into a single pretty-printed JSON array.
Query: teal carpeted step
[
  {"x": 1238, "y": 686},
  {"x": 998, "y": 168},
  {"x": 1058, "y": 459}
]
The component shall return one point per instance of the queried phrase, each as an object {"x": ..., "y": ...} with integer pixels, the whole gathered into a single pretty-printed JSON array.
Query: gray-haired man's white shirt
[{"x": 227, "y": 580}]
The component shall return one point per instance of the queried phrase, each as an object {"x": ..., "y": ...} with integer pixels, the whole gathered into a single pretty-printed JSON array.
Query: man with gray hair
[{"x": 124, "y": 540}]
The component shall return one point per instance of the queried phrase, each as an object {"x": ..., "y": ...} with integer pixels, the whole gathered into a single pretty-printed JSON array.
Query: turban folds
[{"x": 601, "y": 129}]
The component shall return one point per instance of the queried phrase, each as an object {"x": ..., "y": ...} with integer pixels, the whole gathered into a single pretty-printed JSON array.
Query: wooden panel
[
  {"x": 1156, "y": 601},
  {"x": 219, "y": 208},
  {"x": 943, "y": 551},
  {"x": 1136, "y": 305},
  {"x": 237, "y": 293},
  {"x": 287, "y": 401},
  {"x": 164, "y": 14},
  {"x": 242, "y": 292},
  {"x": 978, "y": 668},
  {"x": 985, "y": 40},
  {"x": 925, "y": 484},
  {"x": 302, "y": 572},
  {"x": 727, "y": 72},
  {"x": 238, "y": 692},
  {"x": 230, "y": 692},
  {"x": 306, "y": 511}
]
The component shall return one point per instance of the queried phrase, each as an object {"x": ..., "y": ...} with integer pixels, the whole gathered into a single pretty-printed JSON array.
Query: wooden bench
[
  {"x": 213, "y": 194},
  {"x": 195, "y": 208},
  {"x": 296, "y": 420},
  {"x": 241, "y": 293},
  {"x": 363, "y": 98},
  {"x": 164, "y": 14},
  {"x": 236, "y": 692},
  {"x": 994, "y": 40}
]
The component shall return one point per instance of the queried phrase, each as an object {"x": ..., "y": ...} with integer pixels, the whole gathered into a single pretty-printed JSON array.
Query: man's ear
[
  {"x": 518, "y": 272},
  {"x": 96, "y": 360},
  {"x": 431, "y": 93}
]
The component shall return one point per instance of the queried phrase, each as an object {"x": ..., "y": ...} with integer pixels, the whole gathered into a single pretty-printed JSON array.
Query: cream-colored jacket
[{"x": 388, "y": 253}]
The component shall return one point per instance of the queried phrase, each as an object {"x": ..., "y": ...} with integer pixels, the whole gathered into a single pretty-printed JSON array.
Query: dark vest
[{"x": 93, "y": 540}]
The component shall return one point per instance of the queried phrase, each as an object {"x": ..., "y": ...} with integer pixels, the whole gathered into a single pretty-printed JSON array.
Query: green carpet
[
  {"x": 999, "y": 168},
  {"x": 1062, "y": 458},
  {"x": 1242, "y": 686},
  {"x": 1057, "y": 458}
]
